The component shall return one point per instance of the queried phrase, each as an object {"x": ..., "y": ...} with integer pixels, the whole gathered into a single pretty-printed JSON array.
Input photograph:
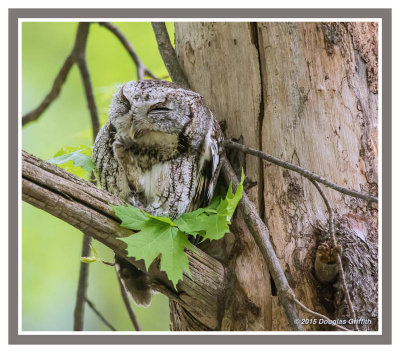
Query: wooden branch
[
  {"x": 100, "y": 315},
  {"x": 79, "y": 46},
  {"x": 127, "y": 304},
  {"x": 307, "y": 310},
  {"x": 77, "y": 56},
  {"x": 79, "y": 311},
  {"x": 80, "y": 52},
  {"x": 54, "y": 91},
  {"x": 308, "y": 174},
  {"x": 168, "y": 54},
  {"x": 141, "y": 69},
  {"x": 86, "y": 207},
  {"x": 261, "y": 235},
  {"x": 80, "y": 57},
  {"x": 338, "y": 253}
]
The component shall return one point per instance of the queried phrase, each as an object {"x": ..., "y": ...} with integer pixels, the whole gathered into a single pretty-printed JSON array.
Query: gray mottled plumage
[{"x": 160, "y": 151}]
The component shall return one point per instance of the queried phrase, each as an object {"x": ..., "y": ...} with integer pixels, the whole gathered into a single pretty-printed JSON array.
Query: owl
[{"x": 160, "y": 151}]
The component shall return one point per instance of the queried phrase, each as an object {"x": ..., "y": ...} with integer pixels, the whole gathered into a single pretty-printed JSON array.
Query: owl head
[{"x": 153, "y": 111}]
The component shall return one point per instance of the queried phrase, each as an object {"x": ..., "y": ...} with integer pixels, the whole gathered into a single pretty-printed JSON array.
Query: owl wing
[
  {"x": 209, "y": 167},
  {"x": 108, "y": 171},
  {"x": 112, "y": 178}
]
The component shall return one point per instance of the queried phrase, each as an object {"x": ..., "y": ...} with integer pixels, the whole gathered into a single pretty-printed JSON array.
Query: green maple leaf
[
  {"x": 160, "y": 236},
  {"x": 157, "y": 238},
  {"x": 76, "y": 160},
  {"x": 228, "y": 205},
  {"x": 191, "y": 222},
  {"x": 165, "y": 220},
  {"x": 212, "y": 222},
  {"x": 131, "y": 217}
]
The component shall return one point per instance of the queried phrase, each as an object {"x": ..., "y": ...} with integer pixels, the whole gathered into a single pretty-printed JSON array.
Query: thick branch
[
  {"x": 86, "y": 207},
  {"x": 141, "y": 69},
  {"x": 168, "y": 54},
  {"x": 308, "y": 174},
  {"x": 261, "y": 235}
]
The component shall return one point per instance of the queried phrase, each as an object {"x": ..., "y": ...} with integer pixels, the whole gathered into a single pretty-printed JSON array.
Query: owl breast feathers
[{"x": 160, "y": 151}]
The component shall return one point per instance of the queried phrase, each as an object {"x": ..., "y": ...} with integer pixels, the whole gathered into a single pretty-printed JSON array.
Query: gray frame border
[{"x": 386, "y": 299}]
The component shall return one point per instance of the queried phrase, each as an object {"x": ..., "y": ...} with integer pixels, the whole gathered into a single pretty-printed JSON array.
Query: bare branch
[
  {"x": 77, "y": 55},
  {"x": 80, "y": 55},
  {"x": 302, "y": 306},
  {"x": 86, "y": 207},
  {"x": 101, "y": 317},
  {"x": 112, "y": 264},
  {"x": 337, "y": 252},
  {"x": 79, "y": 311},
  {"x": 141, "y": 69},
  {"x": 308, "y": 174},
  {"x": 54, "y": 92},
  {"x": 168, "y": 54},
  {"x": 80, "y": 50},
  {"x": 128, "y": 306},
  {"x": 261, "y": 235}
]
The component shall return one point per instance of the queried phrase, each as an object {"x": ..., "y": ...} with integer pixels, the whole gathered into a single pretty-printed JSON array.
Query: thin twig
[
  {"x": 261, "y": 236},
  {"x": 308, "y": 174},
  {"x": 302, "y": 306},
  {"x": 168, "y": 54},
  {"x": 80, "y": 55},
  {"x": 141, "y": 69},
  {"x": 337, "y": 252},
  {"x": 54, "y": 92},
  {"x": 80, "y": 49},
  {"x": 79, "y": 311},
  {"x": 128, "y": 306},
  {"x": 112, "y": 264},
  {"x": 74, "y": 58},
  {"x": 98, "y": 313}
]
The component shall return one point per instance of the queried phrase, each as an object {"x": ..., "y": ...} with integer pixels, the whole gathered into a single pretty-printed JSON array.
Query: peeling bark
[
  {"x": 209, "y": 54},
  {"x": 86, "y": 207},
  {"x": 306, "y": 93}
]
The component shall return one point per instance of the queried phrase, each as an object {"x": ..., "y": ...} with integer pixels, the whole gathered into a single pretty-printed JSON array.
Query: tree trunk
[{"x": 306, "y": 93}]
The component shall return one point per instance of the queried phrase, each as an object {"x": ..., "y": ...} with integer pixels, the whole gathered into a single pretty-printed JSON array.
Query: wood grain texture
[
  {"x": 306, "y": 93},
  {"x": 321, "y": 112},
  {"x": 86, "y": 207},
  {"x": 221, "y": 62}
]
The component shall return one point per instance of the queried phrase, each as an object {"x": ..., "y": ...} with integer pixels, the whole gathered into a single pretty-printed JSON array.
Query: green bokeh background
[{"x": 50, "y": 247}]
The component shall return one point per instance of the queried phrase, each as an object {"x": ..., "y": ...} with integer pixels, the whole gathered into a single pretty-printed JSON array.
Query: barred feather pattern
[{"x": 160, "y": 150}]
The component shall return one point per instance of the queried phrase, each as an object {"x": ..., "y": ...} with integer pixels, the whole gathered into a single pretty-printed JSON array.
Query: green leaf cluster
[
  {"x": 160, "y": 236},
  {"x": 76, "y": 160}
]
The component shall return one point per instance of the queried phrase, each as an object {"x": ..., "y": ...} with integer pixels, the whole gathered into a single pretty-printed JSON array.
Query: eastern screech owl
[{"x": 160, "y": 151}]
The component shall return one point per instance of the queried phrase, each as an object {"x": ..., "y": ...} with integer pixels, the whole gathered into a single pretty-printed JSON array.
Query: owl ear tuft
[{"x": 123, "y": 99}]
